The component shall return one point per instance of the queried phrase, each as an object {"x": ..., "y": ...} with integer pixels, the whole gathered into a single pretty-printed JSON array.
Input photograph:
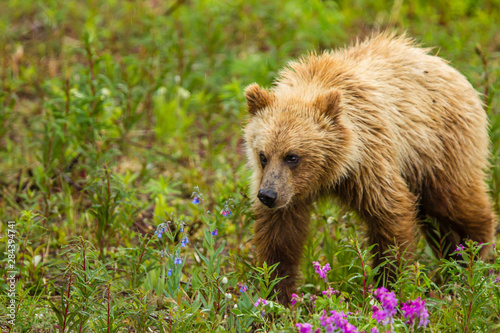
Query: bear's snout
[{"x": 267, "y": 197}]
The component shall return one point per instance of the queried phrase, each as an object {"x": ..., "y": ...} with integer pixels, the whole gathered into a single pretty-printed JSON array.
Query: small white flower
[
  {"x": 224, "y": 280},
  {"x": 161, "y": 91},
  {"x": 228, "y": 296},
  {"x": 74, "y": 92},
  {"x": 183, "y": 93},
  {"x": 105, "y": 92}
]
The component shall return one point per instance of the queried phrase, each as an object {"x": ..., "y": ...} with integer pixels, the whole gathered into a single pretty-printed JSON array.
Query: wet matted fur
[{"x": 390, "y": 131}]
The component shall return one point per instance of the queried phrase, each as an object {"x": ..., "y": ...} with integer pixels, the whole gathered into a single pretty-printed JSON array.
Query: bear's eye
[
  {"x": 292, "y": 159},
  {"x": 263, "y": 159}
]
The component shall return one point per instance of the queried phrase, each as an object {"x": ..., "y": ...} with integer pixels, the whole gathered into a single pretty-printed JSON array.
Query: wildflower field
[{"x": 124, "y": 198}]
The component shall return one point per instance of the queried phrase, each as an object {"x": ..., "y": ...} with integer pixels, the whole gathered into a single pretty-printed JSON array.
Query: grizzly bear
[{"x": 391, "y": 132}]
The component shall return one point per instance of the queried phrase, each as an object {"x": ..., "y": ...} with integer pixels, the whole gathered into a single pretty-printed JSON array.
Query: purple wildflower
[
  {"x": 261, "y": 300},
  {"x": 313, "y": 299},
  {"x": 413, "y": 310},
  {"x": 169, "y": 273},
  {"x": 196, "y": 200},
  {"x": 374, "y": 330},
  {"x": 296, "y": 298},
  {"x": 215, "y": 232},
  {"x": 460, "y": 247},
  {"x": 337, "y": 322},
  {"x": 378, "y": 314},
  {"x": 177, "y": 261},
  {"x": 321, "y": 270},
  {"x": 329, "y": 292},
  {"x": 304, "y": 328},
  {"x": 388, "y": 301}
]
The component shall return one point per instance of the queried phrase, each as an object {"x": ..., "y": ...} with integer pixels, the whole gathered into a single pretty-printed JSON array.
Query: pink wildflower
[
  {"x": 304, "y": 328},
  {"x": 321, "y": 270},
  {"x": 389, "y": 303},
  {"x": 413, "y": 310}
]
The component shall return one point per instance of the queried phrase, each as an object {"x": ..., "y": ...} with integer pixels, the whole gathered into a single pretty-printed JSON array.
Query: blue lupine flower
[
  {"x": 184, "y": 241},
  {"x": 226, "y": 212},
  {"x": 243, "y": 287}
]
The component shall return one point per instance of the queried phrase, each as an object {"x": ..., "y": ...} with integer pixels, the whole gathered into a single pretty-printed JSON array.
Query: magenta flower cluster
[
  {"x": 329, "y": 292},
  {"x": 337, "y": 322},
  {"x": 415, "y": 310},
  {"x": 296, "y": 298},
  {"x": 304, "y": 328},
  {"x": 387, "y": 310},
  {"x": 321, "y": 270},
  {"x": 460, "y": 247}
]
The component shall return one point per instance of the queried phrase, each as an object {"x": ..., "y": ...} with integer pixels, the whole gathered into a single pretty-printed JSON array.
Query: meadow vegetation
[{"x": 122, "y": 170}]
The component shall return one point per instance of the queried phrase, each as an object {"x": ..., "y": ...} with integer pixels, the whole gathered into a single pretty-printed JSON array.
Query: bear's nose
[{"x": 267, "y": 197}]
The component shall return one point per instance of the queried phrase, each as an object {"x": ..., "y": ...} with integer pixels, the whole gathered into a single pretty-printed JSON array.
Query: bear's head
[{"x": 297, "y": 146}]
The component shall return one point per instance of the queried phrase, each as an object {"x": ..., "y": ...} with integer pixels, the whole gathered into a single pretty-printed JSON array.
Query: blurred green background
[{"x": 112, "y": 111}]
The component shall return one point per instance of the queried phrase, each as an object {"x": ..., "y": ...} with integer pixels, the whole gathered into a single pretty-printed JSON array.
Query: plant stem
[{"x": 67, "y": 302}]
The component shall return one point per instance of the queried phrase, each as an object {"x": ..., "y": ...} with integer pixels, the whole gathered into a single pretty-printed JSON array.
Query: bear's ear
[
  {"x": 257, "y": 98},
  {"x": 328, "y": 103}
]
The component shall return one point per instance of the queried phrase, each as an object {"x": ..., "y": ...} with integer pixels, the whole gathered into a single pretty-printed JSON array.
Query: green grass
[{"x": 112, "y": 112}]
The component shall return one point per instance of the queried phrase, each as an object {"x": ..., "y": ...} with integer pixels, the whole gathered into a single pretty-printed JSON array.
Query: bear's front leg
[
  {"x": 388, "y": 207},
  {"x": 280, "y": 236}
]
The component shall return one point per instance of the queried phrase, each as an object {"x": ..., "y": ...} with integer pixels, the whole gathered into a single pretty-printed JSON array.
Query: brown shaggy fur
[{"x": 391, "y": 132}]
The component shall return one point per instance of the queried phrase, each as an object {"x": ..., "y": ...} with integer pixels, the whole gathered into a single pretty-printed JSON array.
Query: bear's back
[{"x": 410, "y": 107}]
